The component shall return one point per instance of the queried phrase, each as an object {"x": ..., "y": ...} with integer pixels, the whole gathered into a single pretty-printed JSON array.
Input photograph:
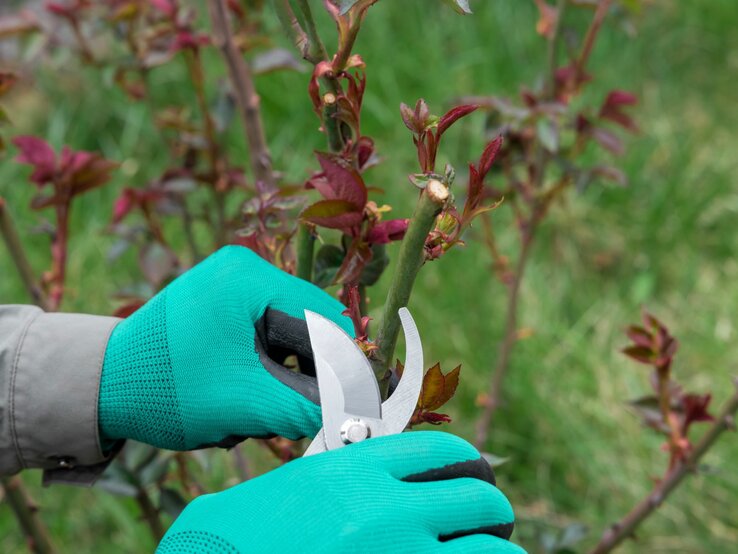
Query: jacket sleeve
[{"x": 50, "y": 366}]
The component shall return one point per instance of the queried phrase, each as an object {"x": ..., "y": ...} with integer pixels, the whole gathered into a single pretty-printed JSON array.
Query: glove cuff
[{"x": 138, "y": 397}]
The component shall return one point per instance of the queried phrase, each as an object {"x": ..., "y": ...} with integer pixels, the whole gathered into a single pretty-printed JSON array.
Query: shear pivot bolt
[{"x": 354, "y": 430}]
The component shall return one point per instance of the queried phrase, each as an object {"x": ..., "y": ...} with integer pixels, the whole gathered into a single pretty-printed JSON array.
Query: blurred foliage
[{"x": 668, "y": 240}]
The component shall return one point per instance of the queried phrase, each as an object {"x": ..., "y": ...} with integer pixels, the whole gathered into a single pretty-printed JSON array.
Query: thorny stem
[
  {"x": 315, "y": 48},
  {"x": 197, "y": 76},
  {"x": 312, "y": 49},
  {"x": 499, "y": 263},
  {"x": 26, "y": 512},
  {"x": 59, "y": 257},
  {"x": 552, "y": 49},
  {"x": 150, "y": 514},
  {"x": 305, "y": 245},
  {"x": 82, "y": 41},
  {"x": 675, "y": 436},
  {"x": 624, "y": 528},
  {"x": 589, "y": 39},
  {"x": 245, "y": 93},
  {"x": 194, "y": 66},
  {"x": 18, "y": 254},
  {"x": 410, "y": 259},
  {"x": 187, "y": 222},
  {"x": 293, "y": 29},
  {"x": 242, "y": 463},
  {"x": 189, "y": 483},
  {"x": 530, "y": 223},
  {"x": 507, "y": 343}
]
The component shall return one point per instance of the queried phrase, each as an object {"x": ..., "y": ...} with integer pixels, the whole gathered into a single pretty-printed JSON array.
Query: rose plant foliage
[{"x": 533, "y": 152}]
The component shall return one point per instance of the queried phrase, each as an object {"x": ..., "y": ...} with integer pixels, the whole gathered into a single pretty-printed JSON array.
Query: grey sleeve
[{"x": 50, "y": 366}]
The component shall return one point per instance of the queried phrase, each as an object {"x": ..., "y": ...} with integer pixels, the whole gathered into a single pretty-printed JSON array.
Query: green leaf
[
  {"x": 374, "y": 269},
  {"x": 276, "y": 59},
  {"x": 548, "y": 134},
  {"x": 327, "y": 261},
  {"x": 333, "y": 214},
  {"x": 459, "y": 6}
]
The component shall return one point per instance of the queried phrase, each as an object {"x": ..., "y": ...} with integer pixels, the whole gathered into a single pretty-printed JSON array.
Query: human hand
[
  {"x": 200, "y": 363},
  {"x": 412, "y": 492}
]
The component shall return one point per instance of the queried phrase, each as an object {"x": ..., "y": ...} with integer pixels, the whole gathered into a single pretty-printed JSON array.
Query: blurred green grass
[{"x": 668, "y": 241}]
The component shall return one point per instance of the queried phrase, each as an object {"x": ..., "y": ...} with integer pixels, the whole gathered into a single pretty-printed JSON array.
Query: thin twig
[
  {"x": 247, "y": 99},
  {"x": 552, "y": 49},
  {"x": 507, "y": 343},
  {"x": 26, "y": 512},
  {"x": 589, "y": 39},
  {"x": 59, "y": 257},
  {"x": 312, "y": 49},
  {"x": 150, "y": 514},
  {"x": 242, "y": 463},
  {"x": 626, "y": 526},
  {"x": 18, "y": 254}
]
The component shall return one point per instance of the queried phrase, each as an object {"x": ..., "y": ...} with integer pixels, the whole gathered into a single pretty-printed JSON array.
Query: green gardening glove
[
  {"x": 414, "y": 492},
  {"x": 199, "y": 364}
]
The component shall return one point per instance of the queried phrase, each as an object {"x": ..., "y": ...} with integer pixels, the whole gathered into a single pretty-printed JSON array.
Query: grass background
[{"x": 668, "y": 241}]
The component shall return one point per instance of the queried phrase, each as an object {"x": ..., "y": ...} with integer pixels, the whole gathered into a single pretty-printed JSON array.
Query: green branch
[
  {"x": 305, "y": 246},
  {"x": 409, "y": 261}
]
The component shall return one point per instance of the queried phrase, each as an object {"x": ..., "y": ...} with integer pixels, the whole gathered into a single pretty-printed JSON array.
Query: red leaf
[
  {"x": 343, "y": 181},
  {"x": 695, "y": 410},
  {"x": 358, "y": 255},
  {"x": 122, "y": 206},
  {"x": 639, "y": 353},
  {"x": 187, "y": 40},
  {"x": 608, "y": 140},
  {"x": 489, "y": 155},
  {"x": 437, "y": 388},
  {"x": 612, "y": 109},
  {"x": 167, "y": 7},
  {"x": 453, "y": 115},
  {"x": 408, "y": 118},
  {"x": 619, "y": 98},
  {"x": 364, "y": 151},
  {"x": 333, "y": 214},
  {"x": 37, "y": 153},
  {"x": 433, "y": 418},
  {"x": 639, "y": 336},
  {"x": 321, "y": 69},
  {"x": 82, "y": 171},
  {"x": 7, "y": 80},
  {"x": 387, "y": 231},
  {"x": 354, "y": 312}
]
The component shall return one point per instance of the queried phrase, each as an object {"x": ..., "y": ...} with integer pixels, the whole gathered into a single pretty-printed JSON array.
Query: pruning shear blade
[{"x": 349, "y": 392}]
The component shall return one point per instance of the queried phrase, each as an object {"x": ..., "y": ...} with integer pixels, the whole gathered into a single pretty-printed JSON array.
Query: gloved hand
[
  {"x": 412, "y": 492},
  {"x": 199, "y": 364}
]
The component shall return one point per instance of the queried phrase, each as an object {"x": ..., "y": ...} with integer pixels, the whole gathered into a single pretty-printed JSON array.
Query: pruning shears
[{"x": 352, "y": 406}]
